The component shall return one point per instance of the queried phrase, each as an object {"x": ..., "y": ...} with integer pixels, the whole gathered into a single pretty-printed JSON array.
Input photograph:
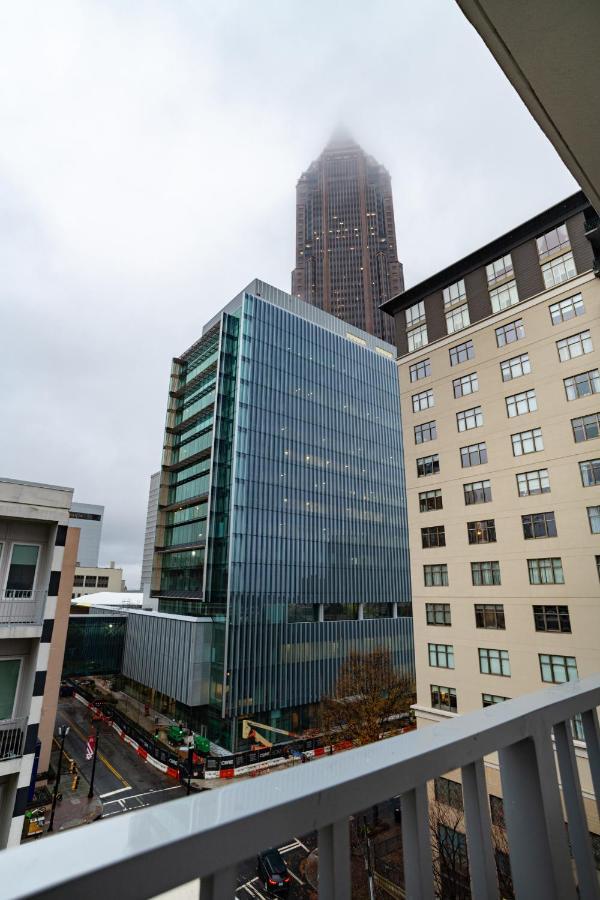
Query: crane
[{"x": 249, "y": 731}]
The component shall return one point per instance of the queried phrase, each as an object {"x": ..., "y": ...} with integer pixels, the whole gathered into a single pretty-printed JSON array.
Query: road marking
[
  {"x": 304, "y": 847},
  {"x": 118, "y": 791},
  {"x": 295, "y": 877},
  {"x": 101, "y": 757},
  {"x": 176, "y": 787}
]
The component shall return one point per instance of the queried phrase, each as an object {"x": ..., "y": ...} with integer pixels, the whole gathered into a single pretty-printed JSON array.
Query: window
[
  {"x": 448, "y": 792},
  {"x": 378, "y": 610},
  {"x": 558, "y": 270},
  {"x": 441, "y": 656},
  {"x": 9, "y": 679},
  {"x": 468, "y": 384},
  {"x": 425, "y": 432},
  {"x": 443, "y": 698},
  {"x": 535, "y": 482},
  {"x": 485, "y": 573},
  {"x": 567, "y": 309},
  {"x": 429, "y": 500},
  {"x": 582, "y": 385},
  {"x": 415, "y": 314},
  {"x": 586, "y": 427},
  {"x": 598, "y": 566},
  {"x": 508, "y": 334},
  {"x": 504, "y": 296},
  {"x": 497, "y": 811},
  {"x": 494, "y": 662},
  {"x": 454, "y": 293},
  {"x": 521, "y": 404},
  {"x": 590, "y": 472},
  {"x": 500, "y": 268},
  {"x": 594, "y": 519},
  {"x": 438, "y": 613},
  {"x": 340, "y": 612},
  {"x": 557, "y": 669},
  {"x": 527, "y": 442},
  {"x": 546, "y": 571},
  {"x": 436, "y": 575},
  {"x": 489, "y": 615},
  {"x": 428, "y": 465},
  {"x": 434, "y": 536},
  {"x": 483, "y": 532},
  {"x": 422, "y": 401},
  {"x": 457, "y": 319},
  {"x": 551, "y": 618},
  {"x": 473, "y": 455},
  {"x": 477, "y": 492},
  {"x": 90, "y": 581},
  {"x": 420, "y": 370},
  {"x": 492, "y": 699},
  {"x": 303, "y": 612},
  {"x": 574, "y": 345},
  {"x": 102, "y": 581},
  {"x": 417, "y": 338},
  {"x": 539, "y": 525},
  {"x": 461, "y": 353},
  {"x": 515, "y": 367},
  {"x": 469, "y": 418},
  {"x": 78, "y": 581},
  {"x": 552, "y": 241}
]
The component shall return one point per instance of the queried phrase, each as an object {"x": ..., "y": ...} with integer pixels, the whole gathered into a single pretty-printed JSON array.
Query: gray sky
[{"x": 148, "y": 162}]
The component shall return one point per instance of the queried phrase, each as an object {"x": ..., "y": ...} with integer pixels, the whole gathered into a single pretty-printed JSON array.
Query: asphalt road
[
  {"x": 123, "y": 781},
  {"x": 294, "y": 852}
]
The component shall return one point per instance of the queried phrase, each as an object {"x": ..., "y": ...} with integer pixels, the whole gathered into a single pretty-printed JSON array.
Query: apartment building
[
  {"x": 92, "y": 579},
  {"x": 88, "y": 517}
]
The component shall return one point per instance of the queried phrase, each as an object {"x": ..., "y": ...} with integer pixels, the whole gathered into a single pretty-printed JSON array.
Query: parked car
[{"x": 273, "y": 873}]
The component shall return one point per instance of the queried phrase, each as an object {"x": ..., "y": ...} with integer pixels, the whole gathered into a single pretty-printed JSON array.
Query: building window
[
  {"x": 461, "y": 353},
  {"x": 436, "y": 575},
  {"x": 457, "y": 319},
  {"x": 433, "y": 536},
  {"x": 557, "y": 669},
  {"x": 594, "y": 519},
  {"x": 102, "y": 581},
  {"x": 552, "y": 241},
  {"x": 448, "y": 792},
  {"x": 429, "y": 500},
  {"x": 420, "y": 370},
  {"x": 443, "y": 698},
  {"x": 494, "y": 662},
  {"x": 558, "y": 270},
  {"x": 590, "y": 472},
  {"x": 78, "y": 581},
  {"x": 454, "y": 293},
  {"x": 425, "y": 432},
  {"x": 415, "y": 314},
  {"x": 575, "y": 345},
  {"x": 473, "y": 455},
  {"x": 582, "y": 385},
  {"x": 477, "y": 492},
  {"x": 508, "y": 334},
  {"x": 497, "y": 811},
  {"x": 438, "y": 614},
  {"x": 515, "y": 367},
  {"x": 483, "y": 532},
  {"x": 441, "y": 656},
  {"x": 546, "y": 571},
  {"x": 504, "y": 296},
  {"x": 422, "y": 401},
  {"x": 534, "y": 482},
  {"x": 90, "y": 581},
  {"x": 527, "y": 442},
  {"x": 340, "y": 612},
  {"x": 489, "y": 615},
  {"x": 485, "y": 573},
  {"x": 598, "y": 566},
  {"x": 586, "y": 427},
  {"x": 492, "y": 699},
  {"x": 469, "y": 418},
  {"x": 468, "y": 384},
  {"x": 551, "y": 618},
  {"x": 417, "y": 338},
  {"x": 428, "y": 465},
  {"x": 521, "y": 404},
  {"x": 10, "y": 669},
  {"x": 539, "y": 525},
  {"x": 566, "y": 309},
  {"x": 500, "y": 268}
]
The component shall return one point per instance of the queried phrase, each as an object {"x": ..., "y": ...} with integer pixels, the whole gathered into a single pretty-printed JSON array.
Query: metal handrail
[
  {"x": 19, "y": 607},
  {"x": 12, "y": 738}
]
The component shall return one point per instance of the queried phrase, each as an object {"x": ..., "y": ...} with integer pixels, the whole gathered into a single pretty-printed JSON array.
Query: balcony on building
[{"x": 22, "y": 607}]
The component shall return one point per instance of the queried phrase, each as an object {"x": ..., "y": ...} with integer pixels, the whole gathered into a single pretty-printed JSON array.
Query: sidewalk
[{"x": 75, "y": 808}]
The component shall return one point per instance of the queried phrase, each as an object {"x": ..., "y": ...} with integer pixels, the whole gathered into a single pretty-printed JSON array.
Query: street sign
[{"x": 89, "y": 747}]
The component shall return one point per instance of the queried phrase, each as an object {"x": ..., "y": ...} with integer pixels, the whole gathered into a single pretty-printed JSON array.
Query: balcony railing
[
  {"x": 22, "y": 607},
  {"x": 160, "y": 848},
  {"x": 12, "y": 738}
]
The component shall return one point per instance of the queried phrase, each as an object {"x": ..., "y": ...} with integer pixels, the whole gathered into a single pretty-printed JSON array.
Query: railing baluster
[
  {"x": 334, "y": 861},
  {"x": 592, "y": 740},
  {"x": 416, "y": 844},
  {"x": 482, "y": 864},
  {"x": 578, "y": 829},
  {"x": 219, "y": 886}
]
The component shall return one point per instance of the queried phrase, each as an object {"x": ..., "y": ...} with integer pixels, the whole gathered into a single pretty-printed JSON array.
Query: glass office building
[{"x": 282, "y": 510}]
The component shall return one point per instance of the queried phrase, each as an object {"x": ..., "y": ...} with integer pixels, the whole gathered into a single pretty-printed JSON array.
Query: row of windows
[
  {"x": 100, "y": 581},
  {"x": 491, "y": 616},
  {"x": 545, "y": 570},
  {"x": 554, "y": 669},
  {"x": 529, "y": 484}
]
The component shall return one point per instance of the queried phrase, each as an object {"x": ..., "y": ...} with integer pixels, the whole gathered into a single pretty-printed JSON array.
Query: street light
[{"x": 63, "y": 731}]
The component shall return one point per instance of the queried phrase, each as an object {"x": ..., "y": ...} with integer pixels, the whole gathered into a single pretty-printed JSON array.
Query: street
[{"x": 294, "y": 853}]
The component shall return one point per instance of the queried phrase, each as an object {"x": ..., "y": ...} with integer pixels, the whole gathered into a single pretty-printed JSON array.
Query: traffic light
[
  {"x": 72, "y": 767},
  {"x": 74, "y": 782}
]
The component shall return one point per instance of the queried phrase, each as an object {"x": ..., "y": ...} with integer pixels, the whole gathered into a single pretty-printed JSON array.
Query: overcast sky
[{"x": 149, "y": 154}]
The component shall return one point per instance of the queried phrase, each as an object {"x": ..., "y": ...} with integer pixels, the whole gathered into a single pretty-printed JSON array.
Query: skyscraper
[{"x": 346, "y": 257}]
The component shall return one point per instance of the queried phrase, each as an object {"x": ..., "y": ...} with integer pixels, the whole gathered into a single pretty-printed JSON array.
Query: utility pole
[
  {"x": 91, "y": 790},
  {"x": 368, "y": 866},
  {"x": 63, "y": 731}
]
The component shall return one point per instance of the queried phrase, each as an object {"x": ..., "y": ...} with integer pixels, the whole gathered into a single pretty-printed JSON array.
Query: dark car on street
[{"x": 273, "y": 873}]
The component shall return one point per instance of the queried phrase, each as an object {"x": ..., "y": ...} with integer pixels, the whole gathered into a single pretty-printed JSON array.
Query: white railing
[
  {"x": 145, "y": 853},
  {"x": 12, "y": 738},
  {"x": 22, "y": 607}
]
